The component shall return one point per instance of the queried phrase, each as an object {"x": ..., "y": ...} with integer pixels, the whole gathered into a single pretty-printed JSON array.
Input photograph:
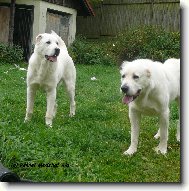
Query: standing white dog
[
  {"x": 149, "y": 87},
  {"x": 49, "y": 64}
]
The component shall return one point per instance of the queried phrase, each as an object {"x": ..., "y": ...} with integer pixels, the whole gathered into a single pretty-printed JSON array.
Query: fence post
[
  {"x": 11, "y": 22},
  {"x": 152, "y": 11},
  {"x": 101, "y": 18}
]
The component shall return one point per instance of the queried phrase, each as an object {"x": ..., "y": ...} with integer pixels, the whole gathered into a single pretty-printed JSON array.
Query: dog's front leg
[
  {"x": 164, "y": 124},
  {"x": 31, "y": 91},
  {"x": 51, "y": 102},
  {"x": 134, "y": 117}
]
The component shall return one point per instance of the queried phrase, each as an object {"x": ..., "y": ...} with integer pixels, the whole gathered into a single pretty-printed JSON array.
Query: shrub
[
  {"x": 10, "y": 54},
  {"x": 147, "y": 42},
  {"x": 87, "y": 52},
  {"x": 150, "y": 42}
]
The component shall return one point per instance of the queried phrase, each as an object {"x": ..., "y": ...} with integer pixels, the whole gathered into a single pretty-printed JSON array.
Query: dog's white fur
[
  {"x": 46, "y": 74},
  {"x": 154, "y": 85}
]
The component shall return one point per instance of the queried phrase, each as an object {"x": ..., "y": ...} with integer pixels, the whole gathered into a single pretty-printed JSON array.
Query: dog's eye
[
  {"x": 123, "y": 76},
  {"x": 57, "y": 43},
  {"x": 48, "y": 42},
  {"x": 135, "y": 77}
]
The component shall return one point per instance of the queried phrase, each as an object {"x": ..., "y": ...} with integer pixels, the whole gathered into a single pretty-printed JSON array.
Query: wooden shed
[
  {"x": 38, "y": 16},
  {"x": 115, "y": 16}
]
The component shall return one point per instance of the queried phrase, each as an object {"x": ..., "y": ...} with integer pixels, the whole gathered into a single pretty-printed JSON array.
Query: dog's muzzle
[
  {"x": 125, "y": 89},
  {"x": 129, "y": 98},
  {"x": 53, "y": 58}
]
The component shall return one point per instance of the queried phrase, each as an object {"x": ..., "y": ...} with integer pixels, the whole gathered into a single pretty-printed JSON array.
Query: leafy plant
[
  {"x": 86, "y": 52},
  {"x": 150, "y": 42},
  {"x": 147, "y": 42},
  {"x": 10, "y": 54}
]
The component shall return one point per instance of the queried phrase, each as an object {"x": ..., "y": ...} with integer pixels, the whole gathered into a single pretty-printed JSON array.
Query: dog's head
[
  {"x": 135, "y": 78},
  {"x": 48, "y": 46}
]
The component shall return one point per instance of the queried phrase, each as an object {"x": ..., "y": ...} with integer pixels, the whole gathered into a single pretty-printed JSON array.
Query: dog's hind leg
[
  {"x": 157, "y": 135},
  {"x": 55, "y": 109},
  {"x": 71, "y": 92},
  {"x": 70, "y": 86},
  {"x": 178, "y": 123},
  {"x": 164, "y": 124},
  {"x": 31, "y": 91}
]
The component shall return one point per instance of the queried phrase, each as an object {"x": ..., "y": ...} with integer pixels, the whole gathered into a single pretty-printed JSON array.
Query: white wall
[{"x": 40, "y": 11}]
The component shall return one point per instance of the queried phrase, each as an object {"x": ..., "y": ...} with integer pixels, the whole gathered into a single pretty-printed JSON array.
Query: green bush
[
  {"x": 150, "y": 42},
  {"x": 10, "y": 54},
  {"x": 87, "y": 52},
  {"x": 147, "y": 42}
]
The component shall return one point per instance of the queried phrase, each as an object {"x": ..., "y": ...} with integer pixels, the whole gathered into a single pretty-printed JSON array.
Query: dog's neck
[
  {"x": 143, "y": 98},
  {"x": 45, "y": 69}
]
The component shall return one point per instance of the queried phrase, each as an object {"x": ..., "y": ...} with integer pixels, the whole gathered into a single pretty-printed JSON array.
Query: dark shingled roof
[
  {"x": 83, "y": 7},
  {"x": 88, "y": 8}
]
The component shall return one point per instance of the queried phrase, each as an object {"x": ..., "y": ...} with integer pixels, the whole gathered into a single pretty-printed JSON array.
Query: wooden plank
[
  {"x": 4, "y": 23},
  {"x": 11, "y": 21},
  {"x": 64, "y": 28},
  {"x": 112, "y": 19},
  {"x": 126, "y": 2},
  {"x": 58, "y": 23}
]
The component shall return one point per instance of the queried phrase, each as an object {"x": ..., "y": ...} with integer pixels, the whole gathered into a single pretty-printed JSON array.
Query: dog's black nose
[
  {"x": 125, "y": 88},
  {"x": 57, "y": 51}
]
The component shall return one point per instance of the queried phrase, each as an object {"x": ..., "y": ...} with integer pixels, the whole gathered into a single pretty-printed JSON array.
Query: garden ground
[{"x": 88, "y": 147}]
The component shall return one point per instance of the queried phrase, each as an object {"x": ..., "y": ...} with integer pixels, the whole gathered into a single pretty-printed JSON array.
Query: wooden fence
[{"x": 114, "y": 16}]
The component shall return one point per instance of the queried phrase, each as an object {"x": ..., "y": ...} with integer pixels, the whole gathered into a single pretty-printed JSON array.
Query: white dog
[
  {"x": 49, "y": 64},
  {"x": 149, "y": 87}
]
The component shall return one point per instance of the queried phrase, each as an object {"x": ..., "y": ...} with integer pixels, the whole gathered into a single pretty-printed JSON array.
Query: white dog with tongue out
[
  {"x": 149, "y": 87},
  {"x": 49, "y": 64}
]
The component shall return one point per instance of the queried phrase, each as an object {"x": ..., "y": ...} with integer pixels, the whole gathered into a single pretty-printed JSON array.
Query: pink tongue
[
  {"x": 52, "y": 58},
  {"x": 127, "y": 99}
]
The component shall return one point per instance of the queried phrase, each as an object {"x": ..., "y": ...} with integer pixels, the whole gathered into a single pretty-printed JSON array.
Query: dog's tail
[{"x": 172, "y": 61}]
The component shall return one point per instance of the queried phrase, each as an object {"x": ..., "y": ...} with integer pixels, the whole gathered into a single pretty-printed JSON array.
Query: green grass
[{"x": 91, "y": 143}]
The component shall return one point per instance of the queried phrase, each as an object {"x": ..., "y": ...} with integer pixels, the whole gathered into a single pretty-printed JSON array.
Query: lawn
[{"x": 88, "y": 147}]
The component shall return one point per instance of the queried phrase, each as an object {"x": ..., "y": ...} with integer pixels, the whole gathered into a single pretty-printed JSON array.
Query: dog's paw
[
  {"x": 72, "y": 114},
  {"x": 130, "y": 151},
  {"x": 157, "y": 135},
  {"x": 49, "y": 125},
  {"x": 161, "y": 150},
  {"x": 48, "y": 122},
  {"x": 28, "y": 117},
  {"x": 26, "y": 120},
  {"x": 178, "y": 137}
]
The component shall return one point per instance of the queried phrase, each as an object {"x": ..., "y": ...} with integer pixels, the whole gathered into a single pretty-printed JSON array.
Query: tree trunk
[{"x": 11, "y": 22}]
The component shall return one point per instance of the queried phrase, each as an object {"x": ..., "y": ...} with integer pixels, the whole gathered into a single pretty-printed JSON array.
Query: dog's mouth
[
  {"x": 128, "y": 99},
  {"x": 52, "y": 58}
]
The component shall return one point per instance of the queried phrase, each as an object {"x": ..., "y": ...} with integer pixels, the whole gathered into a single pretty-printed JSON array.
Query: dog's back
[{"x": 172, "y": 71}]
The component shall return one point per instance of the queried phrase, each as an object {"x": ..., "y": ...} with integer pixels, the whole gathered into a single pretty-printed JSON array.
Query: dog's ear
[
  {"x": 54, "y": 33},
  {"x": 61, "y": 42},
  {"x": 38, "y": 38},
  {"x": 123, "y": 64},
  {"x": 148, "y": 73}
]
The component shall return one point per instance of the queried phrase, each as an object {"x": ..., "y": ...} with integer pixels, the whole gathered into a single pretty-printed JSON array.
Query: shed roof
[
  {"x": 88, "y": 8},
  {"x": 83, "y": 7}
]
